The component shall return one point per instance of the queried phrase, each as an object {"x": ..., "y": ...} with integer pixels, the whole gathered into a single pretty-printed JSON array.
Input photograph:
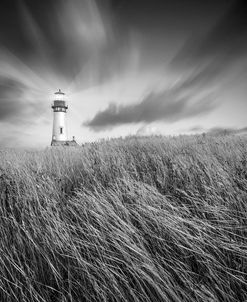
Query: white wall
[{"x": 59, "y": 121}]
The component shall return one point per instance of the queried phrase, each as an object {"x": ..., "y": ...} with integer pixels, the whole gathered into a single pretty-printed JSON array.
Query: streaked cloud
[
  {"x": 210, "y": 54},
  {"x": 168, "y": 106},
  {"x": 17, "y": 105}
]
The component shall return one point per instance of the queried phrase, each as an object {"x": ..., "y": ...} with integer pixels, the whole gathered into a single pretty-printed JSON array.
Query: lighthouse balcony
[{"x": 57, "y": 105}]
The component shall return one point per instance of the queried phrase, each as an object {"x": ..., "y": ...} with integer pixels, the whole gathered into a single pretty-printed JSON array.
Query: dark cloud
[
  {"x": 15, "y": 107},
  {"x": 167, "y": 106},
  {"x": 212, "y": 53},
  {"x": 228, "y": 38},
  {"x": 11, "y": 91}
]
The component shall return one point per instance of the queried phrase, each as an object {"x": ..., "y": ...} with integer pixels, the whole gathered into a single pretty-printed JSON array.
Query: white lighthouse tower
[{"x": 59, "y": 132}]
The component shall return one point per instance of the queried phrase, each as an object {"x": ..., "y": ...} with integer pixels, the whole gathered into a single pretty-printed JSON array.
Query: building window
[{"x": 61, "y": 130}]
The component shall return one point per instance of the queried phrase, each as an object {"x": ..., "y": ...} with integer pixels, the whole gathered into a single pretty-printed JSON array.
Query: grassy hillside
[{"x": 136, "y": 219}]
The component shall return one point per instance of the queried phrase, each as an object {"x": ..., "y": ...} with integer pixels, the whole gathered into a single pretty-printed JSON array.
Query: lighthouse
[{"x": 59, "y": 131}]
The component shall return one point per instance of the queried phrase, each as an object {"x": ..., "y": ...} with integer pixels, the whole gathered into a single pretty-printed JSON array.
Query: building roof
[
  {"x": 55, "y": 143},
  {"x": 59, "y": 92}
]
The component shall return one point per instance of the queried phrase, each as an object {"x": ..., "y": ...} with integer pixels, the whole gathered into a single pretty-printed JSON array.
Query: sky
[{"x": 127, "y": 67}]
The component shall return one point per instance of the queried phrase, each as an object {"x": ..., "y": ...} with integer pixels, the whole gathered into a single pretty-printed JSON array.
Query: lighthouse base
[{"x": 55, "y": 143}]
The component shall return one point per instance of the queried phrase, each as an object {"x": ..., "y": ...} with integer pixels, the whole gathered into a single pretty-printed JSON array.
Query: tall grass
[{"x": 136, "y": 219}]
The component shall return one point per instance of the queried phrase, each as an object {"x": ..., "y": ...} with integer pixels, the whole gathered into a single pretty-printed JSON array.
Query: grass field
[{"x": 135, "y": 219}]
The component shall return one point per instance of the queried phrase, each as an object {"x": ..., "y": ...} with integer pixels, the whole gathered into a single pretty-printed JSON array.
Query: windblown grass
[{"x": 136, "y": 219}]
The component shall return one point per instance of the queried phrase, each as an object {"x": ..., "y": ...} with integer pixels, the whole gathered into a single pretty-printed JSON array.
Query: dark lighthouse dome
[{"x": 59, "y": 92}]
